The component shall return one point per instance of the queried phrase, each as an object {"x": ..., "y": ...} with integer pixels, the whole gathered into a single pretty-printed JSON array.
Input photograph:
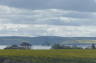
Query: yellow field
[{"x": 50, "y": 56}]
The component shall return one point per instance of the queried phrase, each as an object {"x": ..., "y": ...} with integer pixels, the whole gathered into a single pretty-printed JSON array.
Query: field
[{"x": 48, "y": 56}]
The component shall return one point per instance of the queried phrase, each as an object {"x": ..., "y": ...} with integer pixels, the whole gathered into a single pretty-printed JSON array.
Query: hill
[
  {"x": 9, "y": 40},
  {"x": 79, "y": 42}
]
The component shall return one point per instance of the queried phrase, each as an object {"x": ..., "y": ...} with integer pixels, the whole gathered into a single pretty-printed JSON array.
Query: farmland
[{"x": 48, "y": 56}]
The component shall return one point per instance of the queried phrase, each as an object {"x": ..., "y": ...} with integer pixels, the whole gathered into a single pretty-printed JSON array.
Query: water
[
  {"x": 40, "y": 47},
  {"x": 33, "y": 47},
  {"x": 3, "y": 46},
  {"x": 47, "y": 47}
]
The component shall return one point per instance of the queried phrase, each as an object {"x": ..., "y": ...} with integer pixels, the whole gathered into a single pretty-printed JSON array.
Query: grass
[{"x": 51, "y": 56}]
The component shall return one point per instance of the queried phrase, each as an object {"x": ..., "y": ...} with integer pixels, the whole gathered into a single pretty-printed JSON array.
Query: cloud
[
  {"x": 46, "y": 22},
  {"x": 77, "y": 5},
  {"x": 46, "y": 30},
  {"x": 47, "y": 16}
]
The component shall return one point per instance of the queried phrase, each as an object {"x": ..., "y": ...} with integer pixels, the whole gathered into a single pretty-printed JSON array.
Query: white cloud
[
  {"x": 46, "y": 22},
  {"x": 45, "y": 16},
  {"x": 46, "y": 30}
]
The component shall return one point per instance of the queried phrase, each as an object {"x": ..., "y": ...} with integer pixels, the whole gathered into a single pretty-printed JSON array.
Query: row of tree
[
  {"x": 59, "y": 46},
  {"x": 23, "y": 45}
]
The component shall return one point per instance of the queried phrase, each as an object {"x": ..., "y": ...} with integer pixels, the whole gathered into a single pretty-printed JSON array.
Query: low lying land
[{"x": 48, "y": 56}]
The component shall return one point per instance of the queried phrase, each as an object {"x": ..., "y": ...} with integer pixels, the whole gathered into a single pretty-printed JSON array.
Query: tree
[
  {"x": 93, "y": 46},
  {"x": 12, "y": 47},
  {"x": 57, "y": 46},
  {"x": 26, "y": 45}
]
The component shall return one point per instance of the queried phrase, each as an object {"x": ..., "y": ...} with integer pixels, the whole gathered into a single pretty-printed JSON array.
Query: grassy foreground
[{"x": 49, "y": 56}]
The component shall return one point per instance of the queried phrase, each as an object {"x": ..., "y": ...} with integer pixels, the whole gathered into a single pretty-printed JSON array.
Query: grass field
[{"x": 50, "y": 56}]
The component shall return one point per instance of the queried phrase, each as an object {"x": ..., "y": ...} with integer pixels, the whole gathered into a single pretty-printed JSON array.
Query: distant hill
[
  {"x": 9, "y": 40},
  {"x": 79, "y": 42}
]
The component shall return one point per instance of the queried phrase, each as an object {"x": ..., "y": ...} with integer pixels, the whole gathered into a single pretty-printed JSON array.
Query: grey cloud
[
  {"x": 47, "y": 16},
  {"x": 79, "y": 5},
  {"x": 67, "y": 19}
]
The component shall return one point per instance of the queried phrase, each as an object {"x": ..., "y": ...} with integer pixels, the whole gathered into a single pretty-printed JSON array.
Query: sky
[{"x": 66, "y": 18}]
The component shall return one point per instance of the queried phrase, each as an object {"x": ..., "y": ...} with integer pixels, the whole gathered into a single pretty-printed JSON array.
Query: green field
[{"x": 49, "y": 56}]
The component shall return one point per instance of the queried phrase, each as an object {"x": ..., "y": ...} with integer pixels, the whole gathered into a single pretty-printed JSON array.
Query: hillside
[
  {"x": 9, "y": 40},
  {"x": 79, "y": 42}
]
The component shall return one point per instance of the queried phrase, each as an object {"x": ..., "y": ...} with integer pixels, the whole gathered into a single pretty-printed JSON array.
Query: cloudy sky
[{"x": 66, "y": 18}]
